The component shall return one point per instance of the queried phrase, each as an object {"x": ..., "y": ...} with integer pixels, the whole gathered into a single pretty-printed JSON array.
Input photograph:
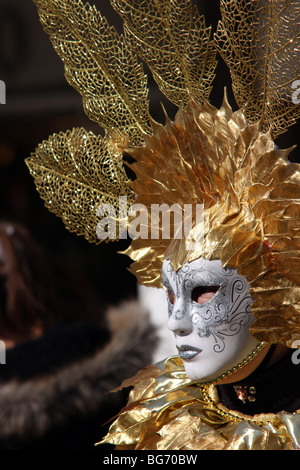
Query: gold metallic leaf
[
  {"x": 181, "y": 415},
  {"x": 74, "y": 173},
  {"x": 171, "y": 37},
  {"x": 179, "y": 432},
  {"x": 260, "y": 41},
  {"x": 100, "y": 65}
]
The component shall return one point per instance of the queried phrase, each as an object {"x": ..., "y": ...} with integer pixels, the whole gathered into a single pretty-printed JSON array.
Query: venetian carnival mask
[
  {"x": 238, "y": 288},
  {"x": 209, "y": 314}
]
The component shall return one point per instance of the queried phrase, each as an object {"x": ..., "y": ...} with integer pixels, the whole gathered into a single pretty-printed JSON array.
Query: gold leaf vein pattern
[
  {"x": 100, "y": 66},
  {"x": 74, "y": 173},
  {"x": 171, "y": 37},
  {"x": 260, "y": 43}
]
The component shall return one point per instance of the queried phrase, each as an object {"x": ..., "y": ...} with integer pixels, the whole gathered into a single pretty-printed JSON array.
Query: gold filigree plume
[
  {"x": 75, "y": 172},
  {"x": 103, "y": 67},
  {"x": 100, "y": 66},
  {"x": 173, "y": 40},
  {"x": 260, "y": 43}
]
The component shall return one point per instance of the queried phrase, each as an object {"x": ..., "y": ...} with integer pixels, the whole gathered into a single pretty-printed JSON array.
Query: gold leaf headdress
[{"x": 226, "y": 160}]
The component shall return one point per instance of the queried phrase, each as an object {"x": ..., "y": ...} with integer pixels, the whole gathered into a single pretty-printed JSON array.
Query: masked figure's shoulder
[{"x": 168, "y": 411}]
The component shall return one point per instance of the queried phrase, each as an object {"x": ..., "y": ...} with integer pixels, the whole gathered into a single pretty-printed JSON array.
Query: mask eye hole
[
  {"x": 202, "y": 294},
  {"x": 171, "y": 297}
]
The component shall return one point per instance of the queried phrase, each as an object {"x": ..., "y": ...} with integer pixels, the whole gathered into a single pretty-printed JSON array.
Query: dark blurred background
[{"x": 39, "y": 102}]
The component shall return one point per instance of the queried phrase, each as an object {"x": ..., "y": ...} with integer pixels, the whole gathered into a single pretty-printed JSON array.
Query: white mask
[{"x": 211, "y": 329}]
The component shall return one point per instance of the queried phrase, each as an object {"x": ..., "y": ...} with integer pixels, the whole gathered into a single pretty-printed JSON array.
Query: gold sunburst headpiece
[
  {"x": 250, "y": 194},
  {"x": 225, "y": 160}
]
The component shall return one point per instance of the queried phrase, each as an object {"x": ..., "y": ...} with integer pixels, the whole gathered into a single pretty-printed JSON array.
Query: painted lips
[{"x": 187, "y": 353}]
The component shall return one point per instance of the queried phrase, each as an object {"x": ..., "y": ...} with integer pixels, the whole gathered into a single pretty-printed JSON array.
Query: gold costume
[
  {"x": 225, "y": 160},
  {"x": 168, "y": 411}
]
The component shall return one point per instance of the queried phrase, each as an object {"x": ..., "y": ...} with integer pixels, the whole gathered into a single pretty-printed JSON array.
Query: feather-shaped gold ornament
[
  {"x": 100, "y": 66},
  {"x": 75, "y": 172},
  {"x": 171, "y": 37},
  {"x": 260, "y": 43}
]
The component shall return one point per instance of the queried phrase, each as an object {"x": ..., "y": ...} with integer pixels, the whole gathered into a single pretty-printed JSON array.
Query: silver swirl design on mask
[
  {"x": 228, "y": 271},
  {"x": 223, "y": 315},
  {"x": 238, "y": 315}
]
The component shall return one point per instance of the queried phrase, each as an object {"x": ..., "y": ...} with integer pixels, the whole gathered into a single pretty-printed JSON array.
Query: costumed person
[
  {"x": 63, "y": 352},
  {"x": 232, "y": 278}
]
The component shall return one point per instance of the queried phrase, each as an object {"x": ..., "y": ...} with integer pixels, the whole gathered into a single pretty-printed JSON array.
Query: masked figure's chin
[{"x": 212, "y": 366}]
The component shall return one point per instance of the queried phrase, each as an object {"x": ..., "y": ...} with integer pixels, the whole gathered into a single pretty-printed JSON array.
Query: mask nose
[{"x": 180, "y": 322}]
